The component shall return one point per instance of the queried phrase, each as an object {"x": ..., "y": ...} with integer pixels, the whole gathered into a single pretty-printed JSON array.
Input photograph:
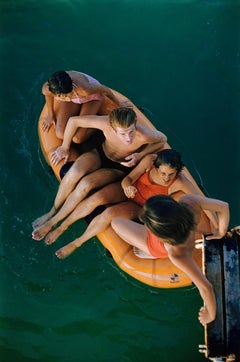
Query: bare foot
[
  {"x": 141, "y": 254},
  {"x": 65, "y": 251},
  {"x": 43, "y": 219},
  {"x": 52, "y": 236},
  {"x": 41, "y": 232}
]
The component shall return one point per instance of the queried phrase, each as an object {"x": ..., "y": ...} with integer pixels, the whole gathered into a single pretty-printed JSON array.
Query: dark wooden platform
[{"x": 221, "y": 263}]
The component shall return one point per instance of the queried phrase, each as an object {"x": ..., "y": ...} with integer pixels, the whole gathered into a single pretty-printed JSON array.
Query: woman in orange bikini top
[{"x": 156, "y": 174}]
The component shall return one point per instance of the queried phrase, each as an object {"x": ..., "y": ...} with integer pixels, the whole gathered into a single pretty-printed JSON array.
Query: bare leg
[
  {"x": 63, "y": 111},
  {"x": 91, "y": 181},
  {"x": 133, "y": 233},
  {"x": 111, "y": 193},
  {"x": 99, "y": 224},
  {"x": 82, "y": 134},
  {"x": 84, "y": 164}
]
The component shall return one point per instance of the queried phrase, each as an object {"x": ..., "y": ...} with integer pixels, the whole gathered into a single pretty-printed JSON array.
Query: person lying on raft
[
  {"x": 170, "y": 227},
  {"x": 126, "y": 143},
  {"x": 71, "y": 93},
  {"x": 156, "y": 173}
]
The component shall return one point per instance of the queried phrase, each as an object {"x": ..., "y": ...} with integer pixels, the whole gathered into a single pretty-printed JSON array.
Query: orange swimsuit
[
  {"x": 156, "y": 246},
  {"x": 147, "y": 189}
]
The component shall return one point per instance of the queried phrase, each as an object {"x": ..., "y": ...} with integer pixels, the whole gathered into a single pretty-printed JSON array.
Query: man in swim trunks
[{"x": 125, "y": 143}]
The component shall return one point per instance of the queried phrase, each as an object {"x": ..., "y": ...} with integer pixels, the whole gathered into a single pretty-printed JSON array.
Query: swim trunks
[
  {"x": 156, "y": 246},
  {"x": 107, "y": 162}
]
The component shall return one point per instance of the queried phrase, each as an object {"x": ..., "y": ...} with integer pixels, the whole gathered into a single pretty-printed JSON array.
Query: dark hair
[
  {"x": 171, "y": 158},
  {"x": 168, "y": 219},
  {"x": 123, "y": 117},
  {"x": 60, "y": 83}
]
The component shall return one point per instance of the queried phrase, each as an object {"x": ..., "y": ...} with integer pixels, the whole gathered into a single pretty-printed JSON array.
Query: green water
[{"x": 179, "y": 60}]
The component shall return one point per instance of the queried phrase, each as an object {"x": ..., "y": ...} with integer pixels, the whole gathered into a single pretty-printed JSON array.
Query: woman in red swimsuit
[
  {"x": 172, "y": 225},
  {"x": 71, "y": 93}
]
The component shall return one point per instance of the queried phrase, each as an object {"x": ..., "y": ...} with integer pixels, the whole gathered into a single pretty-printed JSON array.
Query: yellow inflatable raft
[{"x": 159, "y": 273}]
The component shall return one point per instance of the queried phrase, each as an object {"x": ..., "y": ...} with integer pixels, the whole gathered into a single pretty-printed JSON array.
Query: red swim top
[
  {"x": 156, "y": 246},
  {"x": 147, "y": 189}
]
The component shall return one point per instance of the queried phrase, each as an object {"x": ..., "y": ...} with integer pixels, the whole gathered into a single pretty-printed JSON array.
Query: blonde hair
[{"x": 122, "y": 117}]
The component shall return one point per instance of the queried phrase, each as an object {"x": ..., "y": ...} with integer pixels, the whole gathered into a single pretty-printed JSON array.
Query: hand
[
  {"x": 216, "y": 235},
  {"x": 204, "y": 316},
  {"x": 47, "y": 123},
  {"x": 132, "y": 160},
  {"x": 130, "y": 191},
  {"x": 59, "y": 154}
]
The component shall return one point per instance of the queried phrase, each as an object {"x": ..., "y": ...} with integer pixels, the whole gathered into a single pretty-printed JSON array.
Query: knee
[
  {"x": 78, "y": 138},
  {"x": 115, "y": 222},
  {"x": 111, "y": 215},
  {"x": 74, "y": 173},
  {"x": 86, "y": 185},
  {"x": 59, "y": 133},
  {"x": 100, "y": 199}
]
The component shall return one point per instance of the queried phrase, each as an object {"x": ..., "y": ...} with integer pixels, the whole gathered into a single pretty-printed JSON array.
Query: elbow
[
  {"x": 163, "y": 139},
  {"x": 208, "y": 288},
  {"x": 70, "y": 120},
  {"x": 126, "y": 181},
  {"x": 227, "y": 206}
]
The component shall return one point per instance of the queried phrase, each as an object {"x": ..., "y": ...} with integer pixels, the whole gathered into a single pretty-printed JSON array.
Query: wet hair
[
  {"x": 169, "y": 157},
  {"x": 60, "y": 83},
  {"x": 122, "y": 117},
  {"x": 168, "y": 219}
]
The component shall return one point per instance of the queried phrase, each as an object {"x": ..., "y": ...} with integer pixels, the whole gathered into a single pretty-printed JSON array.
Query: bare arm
[
  {"x": 220, "y": 207},
  {"x": 185, "y": 262},
  {"x": 128, "y": 181},
  {"x": 62, "y": 152},
  {"x": 107, "y": 91},
  {"x": 50, "y": 118},
  {"x": 154, "y": 141},
  {"x": 84, "y": 122}
]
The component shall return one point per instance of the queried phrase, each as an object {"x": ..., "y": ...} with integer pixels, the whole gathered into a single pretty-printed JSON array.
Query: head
[
  {"x": 168, "y": 164},
  {"x": 168, "y": 219},
  {"x": 60, "y": 83},
  {"x": 123, "y": 122}
]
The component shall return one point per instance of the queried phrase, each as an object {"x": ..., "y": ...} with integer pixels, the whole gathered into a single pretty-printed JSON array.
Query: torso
[
  {"x": 115, "y": 149},
  {"x": 85, "y": 89},
  {"x": 146, "y": 188}
]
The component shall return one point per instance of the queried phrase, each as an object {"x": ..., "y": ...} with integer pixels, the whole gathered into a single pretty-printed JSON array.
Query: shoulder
[
  {"x": 45, "y": 89},
  {"x": 177, "y": 251},
  {"x": 147, "y": 132},
  {"x": 181, "y": 180},
  {"x": 193, "y": 201},
  {"x": 148, "y": 160},
  {"x": 146, "y": 163}
]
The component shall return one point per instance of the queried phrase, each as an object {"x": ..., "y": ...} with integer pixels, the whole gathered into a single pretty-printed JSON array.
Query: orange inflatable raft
[{"x": 159, "y": 273}]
